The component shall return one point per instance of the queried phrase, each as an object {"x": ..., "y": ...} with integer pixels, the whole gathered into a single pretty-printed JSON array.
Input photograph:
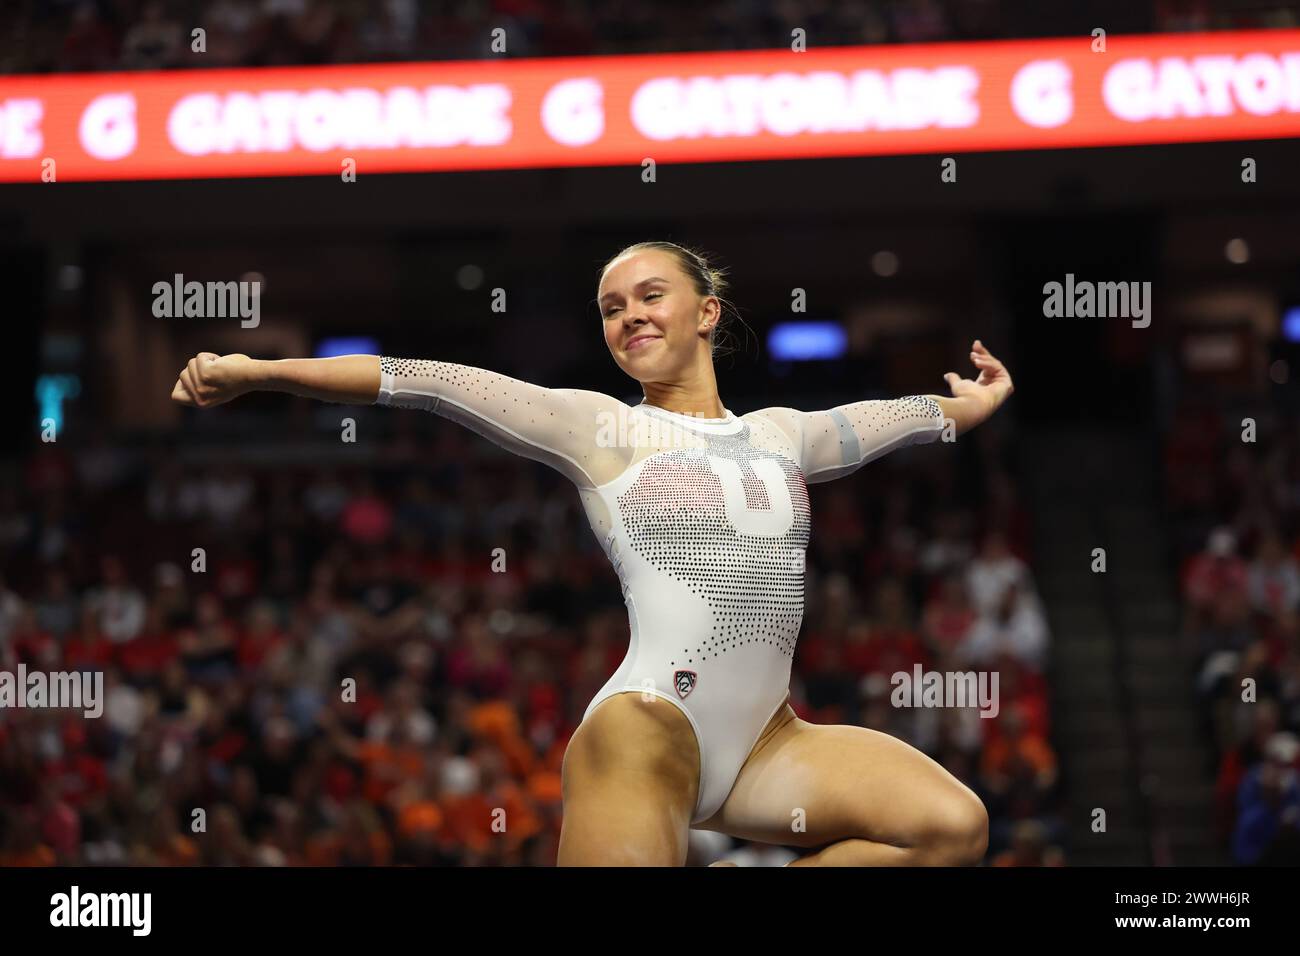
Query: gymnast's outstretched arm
[
  {"x": 838, "y": 441},
  {"x": 557, "y": 426}
]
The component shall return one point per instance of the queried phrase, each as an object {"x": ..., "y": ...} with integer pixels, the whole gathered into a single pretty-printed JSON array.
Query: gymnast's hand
[
  {"x": 993, "y": 386},
  {"x": 209, "y": 379}
]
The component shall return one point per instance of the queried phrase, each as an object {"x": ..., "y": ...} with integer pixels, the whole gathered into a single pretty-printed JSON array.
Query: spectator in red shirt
[
  {"x": 949, "y": 616},
  {"x": 88, "y": 648},
  {"x": 1215, "y": 572},
  {"x": 89, "y": 44},
  {"x": 143, "y": 659},
  {"x": 478, "y": 662},
  {"x": 366, "y": 518},
  {"x": 262, "y": 635},
  {"x": 31, "y": 643},
  {"x": 898, "y": 646}
]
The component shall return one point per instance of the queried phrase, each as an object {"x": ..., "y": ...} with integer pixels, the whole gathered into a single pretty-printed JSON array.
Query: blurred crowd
[
  {"x": 315, "y": 663},
  {"x": 1236, "y": 505},
  {"x": 41, "y": 36}
]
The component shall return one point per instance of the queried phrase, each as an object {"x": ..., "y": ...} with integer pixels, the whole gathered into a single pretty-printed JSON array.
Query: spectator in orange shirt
[
  {"x": 468, "y": 812},
  {"x": 1018, "y": 764},
  {"x": 514, "y": 819},
  {"x": 23, "y": 847},
  {"x": 498, "y": 721},
  {"x": 1029, "y": 847},
  {"x": 170, "y": 847},
  {"x": 359, "y": 841}
]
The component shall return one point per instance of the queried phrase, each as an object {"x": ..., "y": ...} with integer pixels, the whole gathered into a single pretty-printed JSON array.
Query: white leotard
[{"x": 706, "y": 522}]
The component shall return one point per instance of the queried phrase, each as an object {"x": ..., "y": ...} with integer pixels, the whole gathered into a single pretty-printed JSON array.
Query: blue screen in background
[
  {"x": 347, "y": 345},
  {"x": 51, "y": 393},
  {"x": 1291, "y": 324},
  {"x": 807, "y": 341}
]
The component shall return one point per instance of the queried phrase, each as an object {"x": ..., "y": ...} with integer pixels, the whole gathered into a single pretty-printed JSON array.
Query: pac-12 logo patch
[{"x": 685, "y": 681}]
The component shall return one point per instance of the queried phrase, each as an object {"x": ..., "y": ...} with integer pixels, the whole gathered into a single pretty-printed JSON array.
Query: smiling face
[{"x": 656, "y": 321}]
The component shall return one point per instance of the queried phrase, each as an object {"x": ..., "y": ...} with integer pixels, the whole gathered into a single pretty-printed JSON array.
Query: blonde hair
[{"x": 708, "y": 280}]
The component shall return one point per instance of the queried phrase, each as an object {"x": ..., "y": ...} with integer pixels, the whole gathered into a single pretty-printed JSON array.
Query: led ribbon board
[{"x": 696, "y": 107}]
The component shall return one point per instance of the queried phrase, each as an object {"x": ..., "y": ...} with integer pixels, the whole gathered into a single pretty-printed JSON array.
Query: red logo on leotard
[{"x": 685, "y": 682}]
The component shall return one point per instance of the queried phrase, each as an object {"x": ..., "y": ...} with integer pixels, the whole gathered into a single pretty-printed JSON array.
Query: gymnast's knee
[{"x": 959, "y": 832}]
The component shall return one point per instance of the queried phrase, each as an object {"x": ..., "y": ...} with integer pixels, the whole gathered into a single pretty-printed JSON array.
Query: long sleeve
[
  {"x": 556, "y": 426},
  {"x": 840, "y": 440}
]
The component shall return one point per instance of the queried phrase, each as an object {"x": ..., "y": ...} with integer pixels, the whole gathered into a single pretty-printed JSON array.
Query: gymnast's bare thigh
[
  {"x": 865, "y": 798},
  {"x": 631, "y": 780}
]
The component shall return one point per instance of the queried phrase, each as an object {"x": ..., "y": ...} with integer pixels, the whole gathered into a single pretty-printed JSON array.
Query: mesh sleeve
[
  {"x": 556, "y": 426},
  {"x": 840, "y": 440}
]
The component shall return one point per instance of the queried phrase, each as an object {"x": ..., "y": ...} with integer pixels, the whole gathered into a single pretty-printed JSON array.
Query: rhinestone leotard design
[{"x": 706, "y": 522}]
